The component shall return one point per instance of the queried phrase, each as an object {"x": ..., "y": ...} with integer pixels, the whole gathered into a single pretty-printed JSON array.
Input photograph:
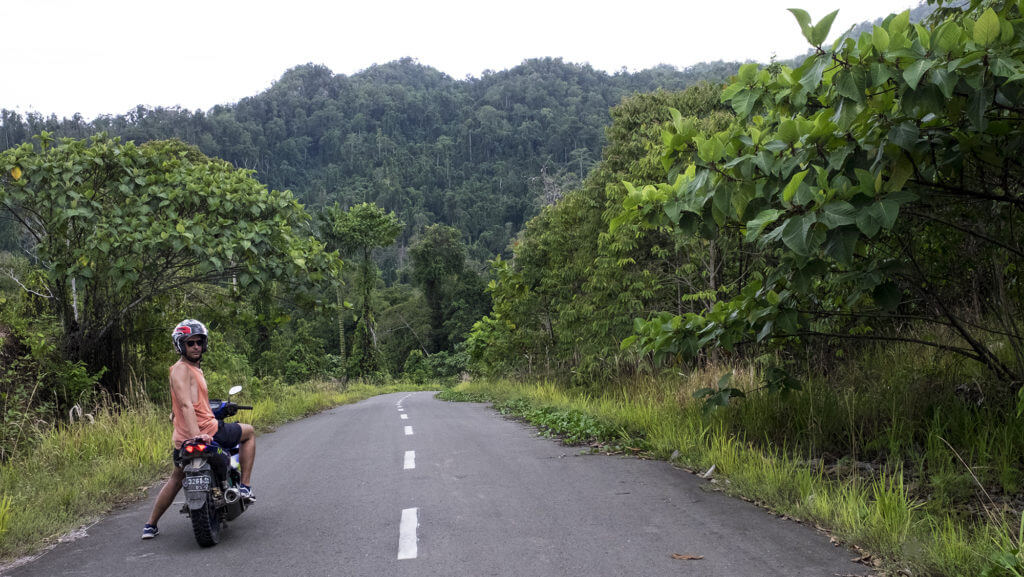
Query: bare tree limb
[{"x": 10, "y": 273}]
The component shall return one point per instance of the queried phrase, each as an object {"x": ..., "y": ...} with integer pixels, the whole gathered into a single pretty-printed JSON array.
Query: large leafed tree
[
  {"x": 881, "y": 179},
  {"x": 112, "y": 226}
]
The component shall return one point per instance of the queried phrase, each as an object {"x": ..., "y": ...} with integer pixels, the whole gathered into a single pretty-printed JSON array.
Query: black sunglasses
[{"x": 193, "y": 343}]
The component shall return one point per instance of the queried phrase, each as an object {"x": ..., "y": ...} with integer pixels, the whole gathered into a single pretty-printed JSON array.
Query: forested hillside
[{"x": 479, "y": 154}]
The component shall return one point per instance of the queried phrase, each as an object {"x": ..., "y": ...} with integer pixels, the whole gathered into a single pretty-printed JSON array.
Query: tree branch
[
  {"x": 969, "y": 353},
  {"x": 10, "y": 273},
  {"x": 966, "y": 230}
]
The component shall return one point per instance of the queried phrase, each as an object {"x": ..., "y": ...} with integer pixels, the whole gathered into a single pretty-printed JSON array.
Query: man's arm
[{"x": 181, "y": 385}]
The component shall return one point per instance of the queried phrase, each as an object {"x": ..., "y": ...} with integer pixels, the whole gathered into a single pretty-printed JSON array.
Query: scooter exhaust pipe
[{"x": 233, "y": 504}]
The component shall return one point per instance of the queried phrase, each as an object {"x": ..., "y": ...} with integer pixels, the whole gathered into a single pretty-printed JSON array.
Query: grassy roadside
[
  {"x": 883, "y": 511},
  {"x": 78, "y": 472}
]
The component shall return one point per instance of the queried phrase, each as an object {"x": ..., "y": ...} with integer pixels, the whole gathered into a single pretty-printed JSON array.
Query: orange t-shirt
[{"x": 204, "y": 416}]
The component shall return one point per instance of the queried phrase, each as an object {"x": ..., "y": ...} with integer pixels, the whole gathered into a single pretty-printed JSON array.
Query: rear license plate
[{"x": 197, "y": 483}]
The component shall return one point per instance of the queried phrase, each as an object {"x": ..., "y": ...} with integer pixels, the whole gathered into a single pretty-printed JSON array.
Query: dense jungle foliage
[
  {"x": 866, "y": 194},
  {"x": 114, "y": 230}
]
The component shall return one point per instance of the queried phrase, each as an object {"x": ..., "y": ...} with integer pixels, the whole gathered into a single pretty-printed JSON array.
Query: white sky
[{"x": 107, "y": 56}]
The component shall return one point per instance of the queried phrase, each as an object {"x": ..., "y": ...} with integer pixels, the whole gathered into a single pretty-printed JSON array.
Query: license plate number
[{"x": 198, "y": 483}]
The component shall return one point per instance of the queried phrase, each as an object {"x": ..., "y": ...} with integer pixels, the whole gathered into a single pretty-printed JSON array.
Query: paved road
[{"x": 340, "y": 494}]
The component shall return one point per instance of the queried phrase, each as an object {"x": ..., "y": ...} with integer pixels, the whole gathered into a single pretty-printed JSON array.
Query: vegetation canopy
[
  {"x": 111, "y": 226},
  {"x": 881, "y": 183}
]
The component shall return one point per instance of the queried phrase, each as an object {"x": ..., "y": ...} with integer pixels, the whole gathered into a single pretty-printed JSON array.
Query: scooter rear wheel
[{"x": 206, "y": 525}]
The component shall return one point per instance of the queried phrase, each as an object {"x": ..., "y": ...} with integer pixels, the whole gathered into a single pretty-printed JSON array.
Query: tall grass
[
  {"x": 75, "y": 472},
  {"x": 888, "y": 458}
]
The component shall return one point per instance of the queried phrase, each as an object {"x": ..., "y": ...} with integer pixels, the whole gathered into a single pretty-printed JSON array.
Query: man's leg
[
  {"x": 246, "y": 452},
  {"x": 166, "y": 496}
]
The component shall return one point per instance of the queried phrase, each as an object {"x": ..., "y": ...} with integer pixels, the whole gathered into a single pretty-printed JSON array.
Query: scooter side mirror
[{"x": 235, "y": 390}]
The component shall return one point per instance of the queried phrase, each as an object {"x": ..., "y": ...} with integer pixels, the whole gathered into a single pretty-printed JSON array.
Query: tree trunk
[
  {"x": 341, "y": 331},
  {"x": 104, "y": 356}
]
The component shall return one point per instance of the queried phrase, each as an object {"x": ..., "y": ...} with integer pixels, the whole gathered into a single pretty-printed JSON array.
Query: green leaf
[
  {"x": 900, "y": 23},
  {"x": 787, "y": 321},
  {"x": 794, "y": 184},
  {"x": 688, "y": 223},
  {"x": 864, "y": 43},
  {"x": 764, "y": 218},
  {"x": 709, "y": 150},
  {"x": 927, "y": 99},
  {"x": 804, "y": 19},
  {"x": 741, "y": 198},
  {"x": 880, "y": 73},
  {"x": 879, "y": 40},
  {"x": 748, "y": 72},
  {"x": 743, "y": 102},
  {"x": 796, "y": 231},
  {"x": 947, "y": 36},
  {"x": 842, "y": 244},
  {"x": 902, "y": 170},
  {"x": 674, "y": 208},
  {"x": 886, "y": 211},
  {"x": 822, "y": 28},
  {"x": 846, "y": 113},
  {"x": 915, "y": 71},
  {"x": 729, "y": 91},
  {"x": 987, "y": 29},
  {"x": 788, "y": 131},
  {"x": 722, "y": 203},
  {"x": 923, "y": 36},
  {"x": 905, "y": 135},
  {"x": 838, "y": 157},
  {"x": 868, "y": 223},
  {"x": 1004, "y": 67},
  {"x": 838, "y": 213},
  {"x": 852, "y": 84},
  {"x": 813, "y": 68},
  {"x": 945, "y": 80},
  {"x": 977, "y": 104},
  {"x": 628, "y": 342}
]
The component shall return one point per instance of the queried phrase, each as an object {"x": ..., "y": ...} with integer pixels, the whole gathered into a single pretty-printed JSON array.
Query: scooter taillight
[{"x": 195, "y": 448}]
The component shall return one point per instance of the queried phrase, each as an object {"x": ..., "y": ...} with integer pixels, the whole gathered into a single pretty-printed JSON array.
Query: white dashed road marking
[
  {"x": 407, "y": 548},
  {"x": 407, "y": 534}
]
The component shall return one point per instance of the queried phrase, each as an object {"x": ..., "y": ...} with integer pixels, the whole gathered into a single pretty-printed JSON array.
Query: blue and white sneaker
[{"x": 149, "y": 531}]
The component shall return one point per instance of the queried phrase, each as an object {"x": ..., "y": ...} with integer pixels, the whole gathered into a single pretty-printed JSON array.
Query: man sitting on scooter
[{"x": 193, "y": 419}]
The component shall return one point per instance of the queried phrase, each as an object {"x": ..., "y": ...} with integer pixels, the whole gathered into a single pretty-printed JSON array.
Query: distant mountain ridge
[
  {"x": 481, "y": 154},
  {"x": 476, "y": 153}
]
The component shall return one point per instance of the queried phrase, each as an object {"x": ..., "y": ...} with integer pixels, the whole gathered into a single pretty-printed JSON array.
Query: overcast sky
[{"x": 107, "y": 56}]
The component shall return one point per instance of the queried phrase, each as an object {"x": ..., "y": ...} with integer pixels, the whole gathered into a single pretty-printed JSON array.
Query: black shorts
[{"x": 228, "y": 434}]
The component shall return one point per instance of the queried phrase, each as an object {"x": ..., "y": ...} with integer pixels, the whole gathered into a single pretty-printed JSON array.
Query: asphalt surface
[{"x": 486, "y": 496}]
